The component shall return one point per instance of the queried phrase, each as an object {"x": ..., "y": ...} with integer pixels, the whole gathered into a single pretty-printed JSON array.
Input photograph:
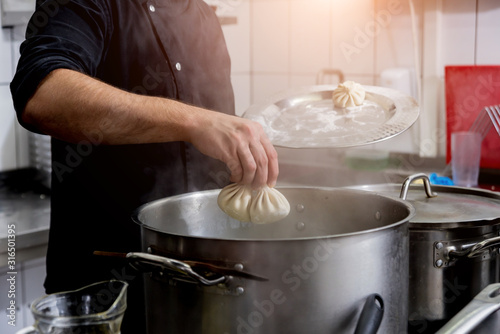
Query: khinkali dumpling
[
  {"x": 348, "y": 94},
  {"x": 234, "y": 200},
  {"x": 266, "y": 205}
]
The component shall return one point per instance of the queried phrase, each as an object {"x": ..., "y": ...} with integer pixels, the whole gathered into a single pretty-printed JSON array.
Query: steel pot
[
  {"x": 454, "y": 246},
  {"x": 309, "y": 273}
]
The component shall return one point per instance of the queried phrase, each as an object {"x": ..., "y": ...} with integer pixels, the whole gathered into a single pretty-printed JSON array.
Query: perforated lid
[{"x": 306, "y": 117}]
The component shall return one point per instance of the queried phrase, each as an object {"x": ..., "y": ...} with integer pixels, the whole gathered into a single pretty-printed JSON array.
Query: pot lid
[
  {"x": 305, "y": 117},
  {"x": 451, "y": 207}
]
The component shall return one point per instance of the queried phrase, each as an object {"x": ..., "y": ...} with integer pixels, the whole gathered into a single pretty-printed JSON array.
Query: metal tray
[{"x": 306, "y": 117}]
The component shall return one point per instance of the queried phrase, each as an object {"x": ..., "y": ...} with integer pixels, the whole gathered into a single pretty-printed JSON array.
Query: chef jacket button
[
  {"x": 152, "y": 8},
  {"x": 178, "y": 66}
]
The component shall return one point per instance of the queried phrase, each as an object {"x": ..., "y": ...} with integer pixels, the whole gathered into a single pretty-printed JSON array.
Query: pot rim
[{"x": 406, "y": 204}]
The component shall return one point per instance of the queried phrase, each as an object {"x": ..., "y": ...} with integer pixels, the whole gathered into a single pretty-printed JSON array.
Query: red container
[{"x": 468, "y": 90}]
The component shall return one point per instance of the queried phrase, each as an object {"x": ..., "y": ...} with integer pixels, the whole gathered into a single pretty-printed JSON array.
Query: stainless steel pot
[
  {"x": 309, "y": 273},
  {"x": 454, "y": 248}
]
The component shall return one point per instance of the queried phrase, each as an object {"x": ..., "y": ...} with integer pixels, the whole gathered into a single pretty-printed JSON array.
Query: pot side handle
[
  {"x": 444, "y": 256},
  {"x": 139, "y": 259},
  {"x": 409, "y": 180},
  {"x": 483, "y": 245},
  {"x": 472, "y": 250},
  {"x": 371, "y": 315},
  {"x": 482, "y": 306}
]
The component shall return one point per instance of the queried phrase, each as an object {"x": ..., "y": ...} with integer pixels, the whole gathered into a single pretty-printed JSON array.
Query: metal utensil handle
[
  {"x": 482, "y": 306},
  {"x": 174, "y": 265},
  {"x": 410, "y": 179}
]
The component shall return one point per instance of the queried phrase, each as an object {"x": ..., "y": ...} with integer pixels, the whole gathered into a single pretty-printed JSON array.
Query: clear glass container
[{"x": 95, "y": 309}]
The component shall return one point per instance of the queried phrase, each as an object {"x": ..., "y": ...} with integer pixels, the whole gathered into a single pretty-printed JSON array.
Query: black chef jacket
[{"x": 169, "y": 48}]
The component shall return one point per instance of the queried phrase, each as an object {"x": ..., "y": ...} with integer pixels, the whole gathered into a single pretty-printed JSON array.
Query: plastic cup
[{"x": 465, "y": 158}]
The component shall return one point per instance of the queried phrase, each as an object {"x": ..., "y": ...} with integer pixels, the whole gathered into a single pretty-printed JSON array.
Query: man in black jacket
[{"x": 137, "y": 98}]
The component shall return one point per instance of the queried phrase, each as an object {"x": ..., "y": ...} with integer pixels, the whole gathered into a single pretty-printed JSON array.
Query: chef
[{"x": 137, "y": 98}]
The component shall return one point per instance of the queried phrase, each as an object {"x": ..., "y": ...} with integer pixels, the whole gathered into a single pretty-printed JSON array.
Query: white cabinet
[
  {"x": 5, "y": 56},
  {"x": 33, "y": 276},
  {"x": 7, "y": 130},
  {"x": 27, "y": 286},
  {"x": 15, "y": 12},
  {"x": 7, "y": 117},
  {"x": 13, "y": 138},
  {"x": 11, "y": 295}
]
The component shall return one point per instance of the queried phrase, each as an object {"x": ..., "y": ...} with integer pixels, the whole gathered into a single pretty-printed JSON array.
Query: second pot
[{"x": 454, "y": 248}]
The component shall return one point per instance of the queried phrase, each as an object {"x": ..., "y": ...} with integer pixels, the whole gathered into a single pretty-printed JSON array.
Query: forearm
[{"x": 67, "y": 105}]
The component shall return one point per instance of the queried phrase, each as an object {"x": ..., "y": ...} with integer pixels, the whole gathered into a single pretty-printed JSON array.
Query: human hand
[{"x": 241, "y": 144}]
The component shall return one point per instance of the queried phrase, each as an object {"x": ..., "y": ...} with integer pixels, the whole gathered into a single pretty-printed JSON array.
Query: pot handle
[
  {"x": 371, "y": 315},
  {"x": 482, "y": 306},
  {"x": 474, "y": 250},
  {"x": 409, "y": 180},
  {"x": 139, "y": 259}
]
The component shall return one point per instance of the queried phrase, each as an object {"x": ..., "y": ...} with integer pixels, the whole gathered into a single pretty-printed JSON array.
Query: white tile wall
[
  {"x": 22, "y": 143},
  {"x": 5, "y": 56},
  {"x": 308, "y": 79},
  {"x": 488, "y": 32},
  {"x": 237, "y": 35},
  {"x": 13, "y": 138},
  {"x": 241, "y": 84},
  {"x": 270, "y": 36},
  {"x": 7, "y": 126},
  {"x": 310, "y": 35},
  {"x": 7, "y": 119},
  {"x": 7, "y": 130},
  {"x": 279, "y": 44},
  {"x": 18, "y": 33},
  {"x": 266, "y": 84},
  {"x": 395, "y": 22},
  {"x": 353, "y": 41},
  {"x": 291, "y": 40},
  {"x": 458, "y": 32},
  {"x": 238, "y": 42}
]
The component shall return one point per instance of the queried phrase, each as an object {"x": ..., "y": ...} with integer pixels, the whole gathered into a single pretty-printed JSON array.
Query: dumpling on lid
[{"x": 348, "y": 94}]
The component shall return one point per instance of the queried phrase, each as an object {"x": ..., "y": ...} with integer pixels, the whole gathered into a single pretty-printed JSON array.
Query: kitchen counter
[{"x": 24, "y": 215}]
